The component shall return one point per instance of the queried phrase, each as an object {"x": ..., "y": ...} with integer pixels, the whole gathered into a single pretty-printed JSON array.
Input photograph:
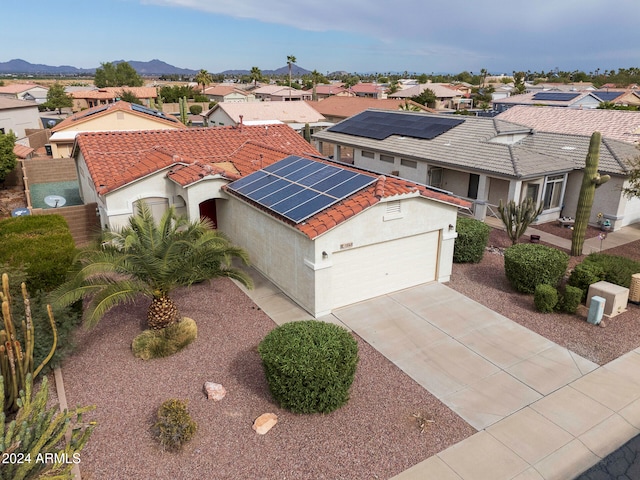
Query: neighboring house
[
  {"x": 228, "y": 94},
  {"x": 294, "y": 114},
  {"x": 559, "y": 87},
  {"x": 25, "y": 91},
  {"x": 549, "y": 99},
  {"x": 447, "y": 98},
  {"x": 619, "y": 97},
  {"x": 487, "y": 160},
  {"x": 615, "y": 124},
  {"x": 83, "y": 99},
  {"x": 326, "y": 234},
  {"x": 18, "y": 116},
  {"x": 369, "y": 90},
  {"x": 277, "y": 93},
  {"x": 337, "y": 108},
  {"x": 119, "y": 116},
  {"x": 324, "y": 91}
]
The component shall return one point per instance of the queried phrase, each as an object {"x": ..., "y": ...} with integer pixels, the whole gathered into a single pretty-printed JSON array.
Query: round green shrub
[
  {"x": 471, "y": 242},
  {"x": 195, "y": 109},
  {"x": 527, "y": 265},
  {"x": 545, "y": 298},
  {"x": 571, "y": 299},
  {"x": 174, "y": 426},
  {"x": 617, "y": 269},
  {"x": 583, "y": 275},
  {"x": 309, "y": 365}
]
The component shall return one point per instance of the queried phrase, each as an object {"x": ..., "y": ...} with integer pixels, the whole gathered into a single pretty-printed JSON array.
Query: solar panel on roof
[
  {"x": 607, "y": 96},
  {"x": 555, "y": 96},
  {"x": 381, "y": 125},
  {"x": 149, "y": 111},
  {"x": 298, "y": 188}
]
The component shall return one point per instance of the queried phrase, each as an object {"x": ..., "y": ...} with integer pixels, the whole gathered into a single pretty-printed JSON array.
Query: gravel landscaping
[{"x": 375, "y": 435}]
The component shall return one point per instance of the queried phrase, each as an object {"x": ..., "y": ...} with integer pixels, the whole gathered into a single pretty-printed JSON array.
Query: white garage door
[{"x": 366, "y": 272}]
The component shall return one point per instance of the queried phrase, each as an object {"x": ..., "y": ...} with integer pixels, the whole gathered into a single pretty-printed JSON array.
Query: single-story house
[
  {"x": 487, "y": 160},
  {"x": 277, "y": 93},
  {"x": 294, "y": 114},
  {"x": 120, "y": 115},
  {"x": 94, "y": 97},
  {"x": 325, "y": 91},
  {"x": 228, "y": 93},
  {"x": 369, "y": 90},
  {"x": 620, "y": 125},
  {"x": 327, "y": 234},
  {"x": 569, "y": 99},
  {"x": 18, "y": 116},
  {"x": 25, "y": 91},
  {"x": 447, "y": 98}
]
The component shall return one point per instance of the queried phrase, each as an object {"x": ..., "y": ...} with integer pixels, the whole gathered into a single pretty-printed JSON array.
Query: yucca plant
[
  {"x": 517, "y": 217},
  {"x": 149, "y": 258},
  {"x": 33, "y": 444}
]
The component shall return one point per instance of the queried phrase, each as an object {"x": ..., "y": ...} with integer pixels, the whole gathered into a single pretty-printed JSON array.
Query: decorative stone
[
  {"x": 264, "y": 423},
  {"x": 215, "y": 391}
]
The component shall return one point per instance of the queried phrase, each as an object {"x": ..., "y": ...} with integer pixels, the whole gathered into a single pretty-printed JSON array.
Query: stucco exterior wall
[
  {"x": 607, "y": 200},
  {"x": 220, "y": 118},
  {"x": 19, "y": 120}
]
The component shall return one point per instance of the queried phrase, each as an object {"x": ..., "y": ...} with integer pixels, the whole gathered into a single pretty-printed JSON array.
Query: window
[
  {"x": 435, "y": 177},
  {"x": 386, "y": 158},
  {"x": 553, "y": 191},
  {"x": 532, "y": 191},
  {"x": 474, "y": 182},
  {"x": 367, "y": 154},
  {"x": 408, "y": 163}
]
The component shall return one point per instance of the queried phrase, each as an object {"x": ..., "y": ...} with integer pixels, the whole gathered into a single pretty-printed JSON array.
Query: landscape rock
[
  {"x": 265, "y": 422},
  {"x": 215, "y": 391}
]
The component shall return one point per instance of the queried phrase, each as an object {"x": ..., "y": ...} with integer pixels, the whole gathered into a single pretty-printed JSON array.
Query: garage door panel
[{"x": 366, "y": 272}]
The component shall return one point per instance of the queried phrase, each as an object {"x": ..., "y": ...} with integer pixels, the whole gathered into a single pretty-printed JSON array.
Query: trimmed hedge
[
  {"x": 471, "y": 242},
  {"x": 545, "y": 298},
  {"x": 570, "y": 300},
  {"x": 42, "y": 245},
  {"x": 527, "y": 265},
  {"x": 616, "y": 269},
  {"x": 583, "y": 275},
  {"x": 309, "y": 365}
]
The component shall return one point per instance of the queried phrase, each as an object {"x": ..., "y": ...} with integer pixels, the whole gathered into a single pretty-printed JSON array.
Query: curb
[{"x": 62, "y": 401}]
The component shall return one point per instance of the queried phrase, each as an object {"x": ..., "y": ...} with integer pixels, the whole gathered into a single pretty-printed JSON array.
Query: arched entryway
[{"x": 208, "y": 210}]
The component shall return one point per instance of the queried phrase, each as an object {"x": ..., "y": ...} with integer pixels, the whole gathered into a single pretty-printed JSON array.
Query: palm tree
[
  {"x": 290, "y": 61},
  {"x": 255, "y": 75},
  {"x": 203, "y": 78},
  {"x": 316, "y": 77},
  {"x": 150, "y": 259}
]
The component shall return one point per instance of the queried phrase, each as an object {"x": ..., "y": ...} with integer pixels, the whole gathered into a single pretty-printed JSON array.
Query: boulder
[
  {"x": 215, "y": 391},
  {"x": 265, "y": 422}
]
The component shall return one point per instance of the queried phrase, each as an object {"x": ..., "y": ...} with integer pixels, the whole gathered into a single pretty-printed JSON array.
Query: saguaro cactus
[
  {"x": 184, "y": 117},
  {"x": 16, "y": 359},
  {"x": 591, "y": 180}
]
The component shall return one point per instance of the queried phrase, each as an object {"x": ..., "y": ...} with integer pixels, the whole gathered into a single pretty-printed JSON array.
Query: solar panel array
[
  {"x": 380, "y": 125},
  {"x": 555, "y": 96},
  {"x": 149, "y": 111},
  {"x": 298, "y": 188},
  {"x": 606, "y": 96}
]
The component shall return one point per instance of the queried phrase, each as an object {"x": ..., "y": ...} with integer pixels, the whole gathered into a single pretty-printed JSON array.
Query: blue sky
[{"x": 423, "y": 36}]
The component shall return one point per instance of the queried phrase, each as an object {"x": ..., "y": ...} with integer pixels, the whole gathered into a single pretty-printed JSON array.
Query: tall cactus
[
  {"x": 517, "y": 218},
  {"x": 16, "y": 359},
  {"x": 591, "y": 180},
  {"x": 184, "y": 117}
]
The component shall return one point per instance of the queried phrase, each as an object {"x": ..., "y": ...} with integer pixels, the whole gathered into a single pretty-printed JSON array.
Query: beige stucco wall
[
  {"x": 296, "y": 264},
  {"x": 607, "y": 200},
  {"x": 20, "y": 119},
  {"x": 116, "y": 121}
]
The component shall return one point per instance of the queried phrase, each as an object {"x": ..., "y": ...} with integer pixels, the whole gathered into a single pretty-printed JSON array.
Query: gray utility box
[{"x": 616, "y": 297}]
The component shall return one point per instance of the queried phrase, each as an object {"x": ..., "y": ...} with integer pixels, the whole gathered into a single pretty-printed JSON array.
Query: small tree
[
  {"x": 517, "y": 218},
  {"x": 427, "y": 98},
  {"x": 8, "y": 159},
  {"x": 120, "y": 75},
  {"x": 57, "y": 98},
  {"x": 129, "y": 96}
]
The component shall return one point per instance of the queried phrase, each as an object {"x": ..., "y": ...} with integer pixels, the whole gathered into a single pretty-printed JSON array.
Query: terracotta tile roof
[
  {"x": 367, "y": 88},
  {"x": 383, "y": 188},
  {"x": 223, "y": 90},
  {"x": 104, "y": 110},
  {"x": 19, "y": 87},
  {"x": 329, "y": 89},
  {"x": 344, "y": 107},
  {"x": 108, "y": 93},
  {"x": 286, "y": 112},
  {"x": 616, "y": 124},
  {"x": 115, "y": 159},
  {"x": 22, "y": 151}
]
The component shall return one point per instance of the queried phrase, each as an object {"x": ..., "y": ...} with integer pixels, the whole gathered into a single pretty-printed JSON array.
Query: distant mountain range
[{"x": 152, "y": 68}]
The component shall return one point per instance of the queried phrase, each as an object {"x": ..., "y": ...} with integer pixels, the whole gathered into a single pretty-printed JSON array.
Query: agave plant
[{"x": 149, "y": 258}]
